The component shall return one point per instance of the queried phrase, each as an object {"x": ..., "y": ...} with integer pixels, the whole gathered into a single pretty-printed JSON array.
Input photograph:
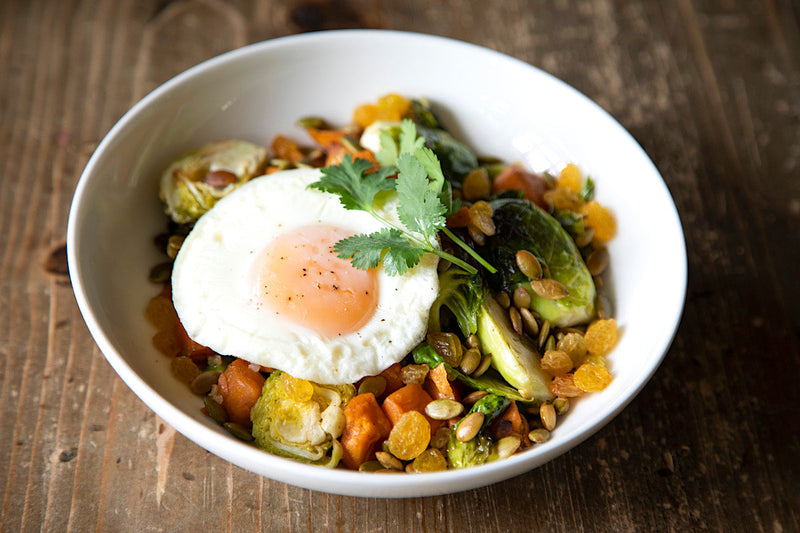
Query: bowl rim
[{"x": 305, "y": 475}]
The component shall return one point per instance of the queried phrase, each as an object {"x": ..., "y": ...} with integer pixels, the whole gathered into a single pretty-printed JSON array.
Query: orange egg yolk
[{"x": 300, "y": 278}]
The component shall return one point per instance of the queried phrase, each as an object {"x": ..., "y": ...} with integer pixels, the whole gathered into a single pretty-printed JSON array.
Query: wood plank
[{"x": 710, "y": 89}]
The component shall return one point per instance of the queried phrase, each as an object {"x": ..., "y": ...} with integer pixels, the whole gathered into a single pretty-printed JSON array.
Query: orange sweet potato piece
[
  {"x": 365, "y": 426},
  {"x": 326, "y": 138},
  {"x": 412, "y": 397},
  {"x": 516, "y": 177},
  {"x": 439, "y": 387},
  {"x": 337, "y": 152},
  {"x": 459, "y": 219},
  {"x": 240, "y": 387}
]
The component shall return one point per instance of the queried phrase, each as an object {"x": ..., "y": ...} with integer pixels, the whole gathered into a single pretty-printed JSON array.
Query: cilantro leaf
[
  {"x": 356, "y": 189},
  {"x": 388, "y": 245},
  {"x": 409, "y": 142},
  {"x": 419, "y": 208}
]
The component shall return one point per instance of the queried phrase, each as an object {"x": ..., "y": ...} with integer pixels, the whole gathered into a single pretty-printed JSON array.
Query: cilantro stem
[
  {"x": 428, "y": 247},
  {"x": 469, "y": 250},
  {"x": 455, "y": 260}
]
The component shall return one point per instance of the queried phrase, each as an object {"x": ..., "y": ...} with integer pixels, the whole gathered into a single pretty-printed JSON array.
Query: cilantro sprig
[{"x": 424, "y": 201}]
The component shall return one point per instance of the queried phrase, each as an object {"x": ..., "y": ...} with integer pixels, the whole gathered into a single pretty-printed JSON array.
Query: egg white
[{"x": 215, "y": 300}]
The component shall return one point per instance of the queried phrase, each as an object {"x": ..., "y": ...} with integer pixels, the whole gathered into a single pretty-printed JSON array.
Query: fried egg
[{"x": 257, "y": 278}]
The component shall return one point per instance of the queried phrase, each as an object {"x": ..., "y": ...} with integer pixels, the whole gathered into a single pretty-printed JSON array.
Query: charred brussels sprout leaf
[{"x": 522, "y": 225}]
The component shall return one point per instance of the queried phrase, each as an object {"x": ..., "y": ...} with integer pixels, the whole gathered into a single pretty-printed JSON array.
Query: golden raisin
[
  {"x": 574, "y": 345},
  {"x": 564, "y": 386},
  {"x": 160, "y": 312},
  {"x": 365, "y": 114},
  {"x": 430, "y": 460},
  {"x": 570, "y": 178},
  {"x": 392, "y": 107},
  {"x": 297, "y": 389},
  {"x": 596, "y": 360},
  {"x": 166, "y": 342},
  {"x": 556, "y": 362},
  {"x": 600, "y": 220},
  {"x": 591, "y": 378},
  {"x": 601, "y": 336},
  {"x": 409, "y": 436}
]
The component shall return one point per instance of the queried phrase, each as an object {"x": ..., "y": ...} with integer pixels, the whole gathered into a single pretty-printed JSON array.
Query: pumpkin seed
[
  {"x": 215, "y": 410},
  {"x": 280, "y": 164},
  {"x": 550, "y": 344},
  {"x": 528, "y": 264},
  {"x": 516, "y": 320},
  {"x": 484, "y": 366},
  {"x": 374, "y": 384},
  {"x": 547, "y": 414},
  {"x": 470, "y": 361},
  {"x": 469, "y": 426},
  {"x": 370, "y": 466},
  {"x": 204, "y": 381},
  {"x": 539, "y": 435},
  {"x": 529, "y": 321},
  {"x": 238, "y": 431},
  {"x": 522, "y": 298},
  {"x": 597, "y": 261},
  {"x": 161, "y": 272},
  {"x": 561, "y": 405},
  {"x": 544, "y": 332},
  {"x": 443, "y": 409},
  {"x": 503, "y": 299},
  {"x": 473, "y": 397},
  {"x": 311, "y": 122},
  {"x": 603, "y": 306},
  {"x": 507, "y": 446},
  {"x": 549, "y": 289},
  {"x": 584, "y": 238},
  {"x": 174, "y": 245},
  {"x": 351, "y": 144},
  {"x": 472, "y": 341},
  {"x": 388, "y": 461}
]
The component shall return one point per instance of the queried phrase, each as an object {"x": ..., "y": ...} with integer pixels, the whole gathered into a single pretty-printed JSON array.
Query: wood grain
[{"x": 711, "y": 90}]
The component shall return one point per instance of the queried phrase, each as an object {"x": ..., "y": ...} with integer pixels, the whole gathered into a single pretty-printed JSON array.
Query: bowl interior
[{"x": 497, "y": 105}]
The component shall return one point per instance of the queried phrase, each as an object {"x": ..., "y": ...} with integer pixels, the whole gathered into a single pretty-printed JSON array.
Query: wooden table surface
[{"x": 711, "y": 90}]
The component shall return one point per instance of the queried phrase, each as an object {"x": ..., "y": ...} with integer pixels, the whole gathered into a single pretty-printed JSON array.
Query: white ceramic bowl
[{"x": 496, "y": 104}]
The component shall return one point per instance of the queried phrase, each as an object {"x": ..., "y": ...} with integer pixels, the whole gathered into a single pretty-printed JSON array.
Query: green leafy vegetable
[
  {"x": 524, "y": 226},
  {"x": 490, "y": 381},
  {"x": 424, "y": 200},
  {"x": 388, "y": 245},
  {"x": 356, "y": 189}
]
